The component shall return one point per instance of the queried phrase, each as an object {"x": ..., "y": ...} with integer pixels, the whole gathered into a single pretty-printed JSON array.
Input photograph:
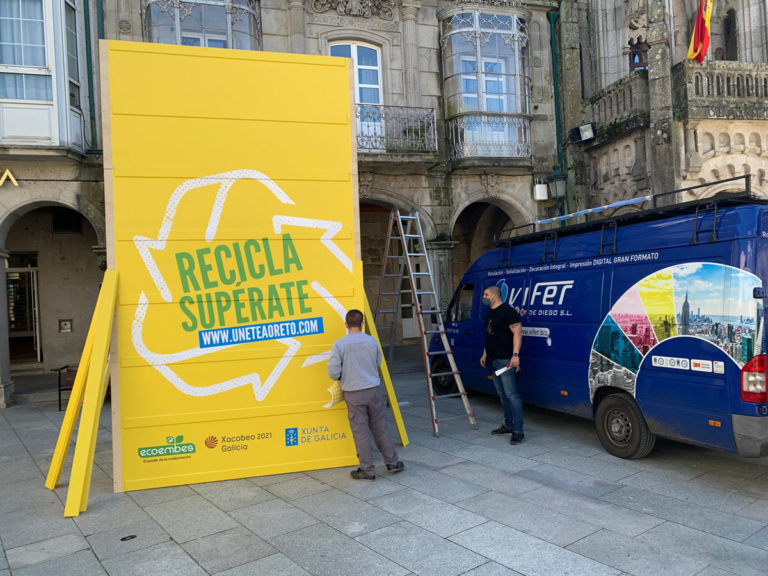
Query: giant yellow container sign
[{"x": 231, "y": 197}]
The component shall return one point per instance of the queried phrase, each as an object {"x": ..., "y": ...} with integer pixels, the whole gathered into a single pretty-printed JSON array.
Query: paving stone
[
  {"x": 737, "y": 481},
  {"x": 420, "y": 551},
  {"x": 45, "y": 550},
  {"x": 339, "y": 478},
  {"x": 20, "y": 469},
  {"x": 530, "y": 518},
  {"x": 34, "y": 524},
  {"x": 441, "y": 443},
  {"x": 492, "y": 569},
  {"x": 610, "y": 471},
  {"x": 634, "y": 556},
  {"x": 714, "y": 550},
  {"x": 427, "y": 457},
  {"x": 272, "y": 518},
  {"x": 759, "y": 540},
  {"x": 491, "y": 478},
  {"x": 232, "y": 494},
  {"x": 758, "y": 510},
  {"x": 501, "y": 458},
  {"x": 597, "y": 512},
  {"x": 81, "y": 563},
  {"x": 346, "y": 513},
  {"x": 672, "y": 460},
  {"x": 166, "y": 559},
  {"x": 297, "y": 488},
  {"x": 569, "y": 480},
  {"x": 526, "y": 554},
  {"x": 109, "y": 543},
  {"x": 686, "y": 513},
  {"x": 112, "y": 512},
  {"x": 326, "y": 552},
  {"x": 437, "y": 484},
  {"x": 23, "y": 494},
  {"x": 712, "y": 571},
  {"x": 689, "y": 491},
  {"x": 275, "y": 565},
  {"x": 158, "y": 495},
  {"x": 190, "y": 518},
  {"x": 274, "y": 478},
  {"x": 227, "y": 549},
  {"x": 430, "y": 513}
]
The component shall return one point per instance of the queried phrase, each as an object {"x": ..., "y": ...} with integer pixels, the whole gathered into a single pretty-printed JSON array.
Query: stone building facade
[
  {"x": 454, "y": 111},
  {"x": 662, "y": 122}
]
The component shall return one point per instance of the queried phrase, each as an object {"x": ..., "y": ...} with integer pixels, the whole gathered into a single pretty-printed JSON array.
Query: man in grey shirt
[{"x": 354, "y": 361}]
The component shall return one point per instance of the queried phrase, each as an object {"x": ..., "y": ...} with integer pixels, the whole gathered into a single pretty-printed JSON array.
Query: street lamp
[{"x": 557, "y": 183}]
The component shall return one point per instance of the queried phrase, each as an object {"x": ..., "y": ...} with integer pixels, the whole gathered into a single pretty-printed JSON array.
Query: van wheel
[
  {"x": 442, "y": 384},
  {"x": 621, "y": 427}
]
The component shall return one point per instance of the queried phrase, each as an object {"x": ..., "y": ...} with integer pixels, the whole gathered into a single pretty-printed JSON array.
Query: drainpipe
[
  {"x": 557, "y": 173},
  {"x": 89, "y": 66}
]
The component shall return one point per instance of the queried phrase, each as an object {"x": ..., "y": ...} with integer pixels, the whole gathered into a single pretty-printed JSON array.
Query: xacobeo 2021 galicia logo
[{"x": 174, "y": 446}]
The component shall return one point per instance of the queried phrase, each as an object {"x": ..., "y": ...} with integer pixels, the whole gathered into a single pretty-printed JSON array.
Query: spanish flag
[{"x": 700, "y": 39}]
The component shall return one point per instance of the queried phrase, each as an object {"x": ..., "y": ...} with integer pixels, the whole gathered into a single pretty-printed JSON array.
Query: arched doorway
[
  {"x": 474, "y": 232},
  {"x": 52, "y": 282}
]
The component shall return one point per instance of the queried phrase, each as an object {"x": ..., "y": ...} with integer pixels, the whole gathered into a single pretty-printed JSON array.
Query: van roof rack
[{"x": 658, "y": 209}]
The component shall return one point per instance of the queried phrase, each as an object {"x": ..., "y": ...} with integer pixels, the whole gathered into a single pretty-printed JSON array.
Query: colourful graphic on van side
[
  {"x": 713, "y": 302},
  {"x": 658, "y": 296}
]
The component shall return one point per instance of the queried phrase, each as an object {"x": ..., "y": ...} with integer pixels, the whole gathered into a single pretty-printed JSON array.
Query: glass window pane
[
  {"x": 191, "y": 41},
  {"x": 493, "y": 87},
  {"x": 11, "y": 86},
  {"x": 32, "y": 9},
  {"x": 10, "y": 30},
  {"x": 34, "y": 32},
  {"x": 244, "y": 41},
  {"x": 368, "y": 76},
  {"x": 10, "y": 8},
  {"x": 469, "y": 84},
  {"x": 495, "y": 105},
  {"x": 214, "y": 18},
  {"x": 367, "y": 56},
  {"x": 369, "y": 96},
  {"x": 492, "y": 67},
  {"x": 217, "y": 43},
  {"x": 342, "y": 50},
  {"x": 195, "y": 19},
  {"x": 468, "y": 66},
  {"x": 34, "y": 56},
  {"x": 10, "y": 54},
  {"x": 37, "y": 87},
  {"x": 469, "y": 104}
]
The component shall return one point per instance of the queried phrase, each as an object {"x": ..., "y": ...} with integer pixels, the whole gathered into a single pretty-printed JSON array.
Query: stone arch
[
  {"x": 16, "y": 207},
  {"x": 511, "y": 206},
  {"x": 754, "y": 143},
  {"x": 738, "y": 142},
  {"x": 724, "y": 142},
  {"x": 707, "y": 144},
  {"x": 629, "y": 158}
]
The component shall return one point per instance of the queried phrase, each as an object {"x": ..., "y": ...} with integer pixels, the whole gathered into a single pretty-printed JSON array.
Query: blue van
[{"x": 651, "y": 324}]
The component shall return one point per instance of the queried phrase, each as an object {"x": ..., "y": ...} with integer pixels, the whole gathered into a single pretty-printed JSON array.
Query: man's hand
[
  {"x": 482, "y": 360},
  {"x": 514, "y": 362}
]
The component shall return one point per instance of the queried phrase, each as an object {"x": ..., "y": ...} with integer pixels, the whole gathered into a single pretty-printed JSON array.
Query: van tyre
[
  {"x": 621, "y": 427},
  {"x": 443, "y": 384}
]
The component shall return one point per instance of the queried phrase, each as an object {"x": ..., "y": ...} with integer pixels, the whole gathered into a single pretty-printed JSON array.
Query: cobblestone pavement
[{"x": 467, "y": 503}]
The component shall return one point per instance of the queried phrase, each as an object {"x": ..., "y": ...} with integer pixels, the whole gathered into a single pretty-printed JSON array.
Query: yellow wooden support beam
[
  {"x": 386, "y": 378},
  {"x": 95, "y": 384}
]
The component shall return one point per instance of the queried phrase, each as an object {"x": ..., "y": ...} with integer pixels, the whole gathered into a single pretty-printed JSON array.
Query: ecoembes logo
[{"x": 174, "y": 447}]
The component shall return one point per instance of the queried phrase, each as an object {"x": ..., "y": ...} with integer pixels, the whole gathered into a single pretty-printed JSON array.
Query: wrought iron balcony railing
[
  {"x": 485, "y": 135},
  {"x": 395, "y": 129}
]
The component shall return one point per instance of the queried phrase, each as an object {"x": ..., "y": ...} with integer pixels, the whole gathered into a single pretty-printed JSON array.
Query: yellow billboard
[{"x": 230, "y": 186}]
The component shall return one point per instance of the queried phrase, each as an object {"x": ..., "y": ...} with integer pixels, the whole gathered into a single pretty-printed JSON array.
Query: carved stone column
[
  {"x": 296, "y": 25},
  {"x": 664, "y": 164},
  {"x": 441, "y": 260},
  {"x": 409, "y": 11},
  {"x": 6, "y": 384}
]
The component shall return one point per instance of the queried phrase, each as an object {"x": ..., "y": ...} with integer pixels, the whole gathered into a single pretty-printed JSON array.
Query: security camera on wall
[{"x": 582, "y": 133}]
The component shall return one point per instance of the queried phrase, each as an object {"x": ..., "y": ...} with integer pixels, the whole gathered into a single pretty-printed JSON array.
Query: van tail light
[{"x": 753, "y": 387}]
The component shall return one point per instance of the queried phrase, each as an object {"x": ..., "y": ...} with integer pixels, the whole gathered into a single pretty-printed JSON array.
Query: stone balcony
[
  {"x": 720, "y": 90},
  {"x": 619, "y": 108}
]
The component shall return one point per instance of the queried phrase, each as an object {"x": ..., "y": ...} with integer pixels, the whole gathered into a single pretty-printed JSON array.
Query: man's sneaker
[
  {"x": 395, "y": 468},
  {"x": 501, "y": 431},
  {"x": 517, "y": 437},
  {"x": 360, "y": 474}
]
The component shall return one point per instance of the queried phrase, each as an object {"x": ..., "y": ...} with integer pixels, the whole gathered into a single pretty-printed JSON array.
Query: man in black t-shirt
[{"x": 503, "y": 337}]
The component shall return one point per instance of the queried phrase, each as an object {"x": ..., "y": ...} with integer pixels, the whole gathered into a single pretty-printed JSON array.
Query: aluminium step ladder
[{"x": 405, "y": 258}]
